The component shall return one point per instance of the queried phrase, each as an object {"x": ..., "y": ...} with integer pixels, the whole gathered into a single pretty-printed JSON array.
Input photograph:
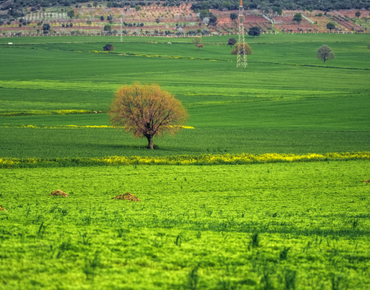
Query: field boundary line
[
  {"x": 209, "y": 159},
  {"x": 308, "y": 65}
]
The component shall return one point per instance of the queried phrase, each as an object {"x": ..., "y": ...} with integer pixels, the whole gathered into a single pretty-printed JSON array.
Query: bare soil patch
[
  {"x": 126, "y": 196},
  {"x": 58, "y": 192}
]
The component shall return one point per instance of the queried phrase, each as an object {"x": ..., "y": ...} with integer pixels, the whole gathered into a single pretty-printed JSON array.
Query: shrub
[
  {"x": 46, "y": 27},
  {"x": 244, "y": 49},
  {"x": 108, "y": 47},
  {"x": 231, "y": 42}
]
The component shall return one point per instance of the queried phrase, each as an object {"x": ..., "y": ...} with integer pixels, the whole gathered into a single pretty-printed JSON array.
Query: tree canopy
[
  {"x": 233, "y": 16},
  {"x": 244, "y": 49},
  {"x": 254, "y": 31},
  {"x": 71, "y": 14},
  {"x": 147, "y": 111},
  {"x": 198, "y": 42},
  {"x": 325, "y": 53},
  {"x": 330, "y": 26},
  {"x": 297, "y": 17},
  {"x": 231, "y": 42},
  {"x": 277, "y": 10}
]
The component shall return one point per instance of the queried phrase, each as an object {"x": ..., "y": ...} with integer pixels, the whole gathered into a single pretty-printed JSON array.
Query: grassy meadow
[
  {"x": 286, "y": 101},
  {"x": 271, "y": 223},
  {"x": 265, "y": 226}
]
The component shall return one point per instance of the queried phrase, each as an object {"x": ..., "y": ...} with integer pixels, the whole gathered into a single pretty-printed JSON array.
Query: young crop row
[
  {"x": 44, "y": 112},
  {"x": 209, "y": 159},
  {"x": 267, "y": 226},
  {"x": 160, "y": 56}
]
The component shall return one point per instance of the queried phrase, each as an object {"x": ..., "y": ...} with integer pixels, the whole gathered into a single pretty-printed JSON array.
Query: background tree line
[{"x": 16, "y": 7}]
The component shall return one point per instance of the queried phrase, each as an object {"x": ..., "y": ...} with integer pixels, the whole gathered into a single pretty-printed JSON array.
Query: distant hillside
[
  {"x": 16, "y": 8},
  {"x": 171, "y": 18}
]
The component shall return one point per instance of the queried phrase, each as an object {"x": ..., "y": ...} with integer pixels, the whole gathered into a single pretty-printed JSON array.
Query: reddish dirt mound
[
  {"x": 367, "y": 181},
  {"x": 126, "y": 196},
  {"x": 59, "y": 192},
  {"x": 1, "y": 208}
]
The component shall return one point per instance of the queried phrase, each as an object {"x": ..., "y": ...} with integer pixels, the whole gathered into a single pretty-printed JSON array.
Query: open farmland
[
  {"x": 287, "y": 101},
  {"x": 279, "y": 224},
  {"x": 309, "y": 221}
]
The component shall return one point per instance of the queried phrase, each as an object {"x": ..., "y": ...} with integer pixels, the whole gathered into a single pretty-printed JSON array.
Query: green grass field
[
  {"x": 286, "y": 100},
  {"x": 287, "y": 225},
  {"x": 309, "y": 221}
]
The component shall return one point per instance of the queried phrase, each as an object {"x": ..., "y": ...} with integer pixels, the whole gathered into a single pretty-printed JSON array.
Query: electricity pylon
[{"x": 242, "y": 54}]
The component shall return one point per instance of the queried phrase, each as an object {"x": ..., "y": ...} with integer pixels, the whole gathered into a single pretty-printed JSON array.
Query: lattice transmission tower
[{"x": 242, "y": 54}]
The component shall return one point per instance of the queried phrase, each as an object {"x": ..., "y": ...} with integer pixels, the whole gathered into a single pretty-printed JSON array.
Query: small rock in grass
[
  {"x": 126, "y": 196},
  {"x": 2, "y": 209},
  {"x": 59, "y": 192}
]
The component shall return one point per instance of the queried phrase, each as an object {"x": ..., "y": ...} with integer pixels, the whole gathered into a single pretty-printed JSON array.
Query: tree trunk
[{"x": 150, "y": 142}]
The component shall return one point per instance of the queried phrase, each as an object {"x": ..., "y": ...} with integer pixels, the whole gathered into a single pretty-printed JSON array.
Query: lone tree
[
  {"x": 245, "y": 48},
  {"x": 197, "y": 42},
  {"x": 325, "y": 53},
  {"x": 330, "y": 26},
  {"x": 147, "y": 111},
  {"x": 358, "y": 14},
  {"x": 231, "y": 42},
  {"x": 297, "y": 17},
  {"x": 254, "y": 31}
]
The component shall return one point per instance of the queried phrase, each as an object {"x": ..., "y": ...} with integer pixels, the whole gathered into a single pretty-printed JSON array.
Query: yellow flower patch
[{"x": 188, "y": 159}]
